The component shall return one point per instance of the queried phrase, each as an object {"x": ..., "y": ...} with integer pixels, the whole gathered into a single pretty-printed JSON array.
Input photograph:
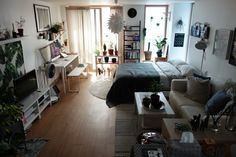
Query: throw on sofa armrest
[{"x": 179, "y": 85}]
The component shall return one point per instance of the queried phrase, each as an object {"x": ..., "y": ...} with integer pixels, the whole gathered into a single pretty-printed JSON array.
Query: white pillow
[
  {"x": 176, "y": 62},
  {"x": 187, "y": 70}
]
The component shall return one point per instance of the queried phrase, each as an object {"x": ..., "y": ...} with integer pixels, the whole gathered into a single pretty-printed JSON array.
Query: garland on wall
[{"x": 11, "y": 67}]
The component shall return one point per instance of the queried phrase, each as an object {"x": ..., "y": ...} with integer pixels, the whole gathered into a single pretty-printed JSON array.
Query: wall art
[
  {"x": 42, "y": 17},
  {"x": 222, "y": 44},
  {"x": 232, "y": 57},
  {"x": 200, "y": 30}
]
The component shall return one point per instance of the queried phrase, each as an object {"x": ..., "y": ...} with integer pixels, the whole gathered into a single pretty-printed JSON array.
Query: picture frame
[
  {"x": 200, "y": 30},
  {"x": 222, "y": 43},
  {"x": 42, "y": 17},
  {"x": 232, "y": 57}
]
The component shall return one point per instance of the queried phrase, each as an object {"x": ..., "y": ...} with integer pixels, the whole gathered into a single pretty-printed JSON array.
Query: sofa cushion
[
  {"x": 217, "y": 102},
  {"x": 198, "y": 89},
  {"x": 178, "y": 99},
  {"x": 188, "y": 111}
]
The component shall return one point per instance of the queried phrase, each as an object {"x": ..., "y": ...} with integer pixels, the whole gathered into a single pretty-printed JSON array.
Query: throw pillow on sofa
[
  {"x": 217, "y": 102},
  {"x": 198, "y": 89}
]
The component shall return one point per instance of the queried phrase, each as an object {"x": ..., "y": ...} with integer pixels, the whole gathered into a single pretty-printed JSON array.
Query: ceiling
[{"x": 119, "y": 2}]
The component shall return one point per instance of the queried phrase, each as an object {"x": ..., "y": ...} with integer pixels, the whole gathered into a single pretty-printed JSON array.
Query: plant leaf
[
  {"x": 10, "y": 51},
  {"x": 1, "y": 75},
  {"x": 10, "y": 71},
  {"x": 2, "y": 56},
  {"x": 19, "y": 60}
]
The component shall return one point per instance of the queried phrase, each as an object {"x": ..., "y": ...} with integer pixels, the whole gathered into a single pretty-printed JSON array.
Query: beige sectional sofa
[{"x": 182, "y": 105}]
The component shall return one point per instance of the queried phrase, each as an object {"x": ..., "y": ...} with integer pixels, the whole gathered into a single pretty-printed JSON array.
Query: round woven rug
[{"x": 101, "y": 87}]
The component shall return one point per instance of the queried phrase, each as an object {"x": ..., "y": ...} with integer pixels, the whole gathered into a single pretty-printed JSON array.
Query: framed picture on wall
[
  {"x": 222, "y": 44},
  {"x": 200, "y": 30},
  {"x": 232, "y": 57},
  {"x": 42, "y": 17}
]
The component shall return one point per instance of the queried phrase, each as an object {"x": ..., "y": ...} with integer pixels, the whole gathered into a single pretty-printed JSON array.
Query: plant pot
[
  {"x": 110, "y": 51},
  {"x": 155, "y": 101},
  {"x": 104, "y": 53},
  {"x": 106, "y": 59},
  {"x": 99, "y": 60},
  {"x": 20, "y": 32},
  {"x": 113, "y": 60},
  {"x": 159, "y": 53},
  {"x": 148, "y": 55},
  {"x": 146, "y": 102}
]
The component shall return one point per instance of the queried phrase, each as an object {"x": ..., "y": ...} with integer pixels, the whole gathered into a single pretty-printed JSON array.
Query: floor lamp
[{"x": 201, "y": 45}]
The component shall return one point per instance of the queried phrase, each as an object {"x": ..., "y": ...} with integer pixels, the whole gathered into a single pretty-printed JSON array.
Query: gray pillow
[
  {"x": 198, "y": 89},
  {"x": 217, "y": 102}
]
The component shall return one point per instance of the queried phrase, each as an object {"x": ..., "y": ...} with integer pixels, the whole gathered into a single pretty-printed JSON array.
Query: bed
[{"x": 137, "y": 77}]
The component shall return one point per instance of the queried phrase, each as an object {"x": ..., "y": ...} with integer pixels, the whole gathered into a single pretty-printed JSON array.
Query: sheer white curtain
[{"x": 81, "y": 34}]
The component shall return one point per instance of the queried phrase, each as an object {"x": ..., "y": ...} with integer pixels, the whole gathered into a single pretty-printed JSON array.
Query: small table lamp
[{"x": 201, "y": 45}]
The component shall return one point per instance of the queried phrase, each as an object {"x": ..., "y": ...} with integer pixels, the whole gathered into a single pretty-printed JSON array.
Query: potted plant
[
  {"x": 110, "y": 50},
  {"x": 155, "y": 98},
  {"x": 56, "y": 28},
  {"x": 160, "y": 44},
  {"x": 116, "y": 51},
  {"x": 148, "y": 54},
  {"x": 104, "y": 50},
  {"x": 10, "y": 115},
  {"x": 20, "y": 25},
  {"x": 146, "y": 101}
]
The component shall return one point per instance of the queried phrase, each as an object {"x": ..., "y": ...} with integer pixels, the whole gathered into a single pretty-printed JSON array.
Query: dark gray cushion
[{"x": 217, "y": 102}]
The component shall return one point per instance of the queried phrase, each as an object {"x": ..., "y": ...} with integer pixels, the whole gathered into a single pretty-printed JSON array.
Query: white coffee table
[{"x": 152, "y": 118}]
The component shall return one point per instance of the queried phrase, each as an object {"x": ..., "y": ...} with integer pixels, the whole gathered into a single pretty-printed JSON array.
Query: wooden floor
[{"x": 79, "y": 125}]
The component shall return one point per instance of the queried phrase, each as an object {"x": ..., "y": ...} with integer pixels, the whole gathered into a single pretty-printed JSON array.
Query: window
[
  {"x": 156, "y": 24},
  {"x": 88, "y": 31}
]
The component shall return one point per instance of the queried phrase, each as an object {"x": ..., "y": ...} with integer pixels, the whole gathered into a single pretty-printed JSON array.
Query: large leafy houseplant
[
  {"x": 160, "y": 44},
  {"x": 10, "y": 115}
]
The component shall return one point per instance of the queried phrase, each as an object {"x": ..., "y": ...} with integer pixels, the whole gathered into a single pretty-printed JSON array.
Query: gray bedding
[
  {"x": 130, "y": 78},
  {"x": 137, "y": 77}
]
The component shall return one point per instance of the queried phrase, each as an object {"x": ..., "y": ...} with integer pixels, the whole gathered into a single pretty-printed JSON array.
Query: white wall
[
  {"x": 179, "y": 11},
  {"x": 220, "y": 15},
  {"x": 11, "y": 11},
  {"x": 135, "y": 21}
]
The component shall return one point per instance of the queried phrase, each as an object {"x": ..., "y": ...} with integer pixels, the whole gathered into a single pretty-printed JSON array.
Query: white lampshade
[{"x": 46, "y": 53}]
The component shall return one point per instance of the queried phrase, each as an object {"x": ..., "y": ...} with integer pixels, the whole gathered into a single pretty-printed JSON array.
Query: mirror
[{"x": 42, "y": 17}]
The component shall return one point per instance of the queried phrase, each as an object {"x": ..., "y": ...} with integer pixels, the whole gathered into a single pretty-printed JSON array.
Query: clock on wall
[{"x": 132, "y": 12}]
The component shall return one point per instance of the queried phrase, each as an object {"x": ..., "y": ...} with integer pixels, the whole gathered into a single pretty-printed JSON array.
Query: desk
[{"x": 64, "y": 64}]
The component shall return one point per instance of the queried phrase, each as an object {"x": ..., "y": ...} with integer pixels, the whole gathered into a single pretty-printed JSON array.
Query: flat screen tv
[
  {"x": 25, "y": 85},
  {"x": 55, "y": 49}
]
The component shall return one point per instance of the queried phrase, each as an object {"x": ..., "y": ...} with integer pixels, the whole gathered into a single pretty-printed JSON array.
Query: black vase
[
  {"x": 155, "y": 101},
  {"x": 21, "y": 32},
  {"x": 113, "y": 60},
  {"x": 159, "y": 53},
  {"x": 146, "y": 102},
  {"x": 106, "y": 59}
]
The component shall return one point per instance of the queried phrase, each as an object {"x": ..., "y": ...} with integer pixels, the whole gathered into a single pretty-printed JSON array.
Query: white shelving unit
[{"x": 34, "y": 105}]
